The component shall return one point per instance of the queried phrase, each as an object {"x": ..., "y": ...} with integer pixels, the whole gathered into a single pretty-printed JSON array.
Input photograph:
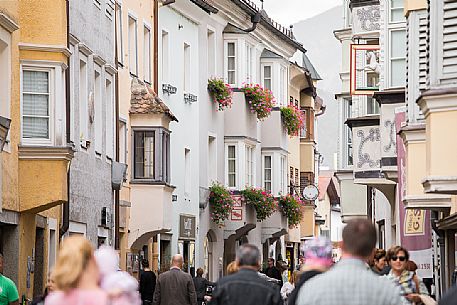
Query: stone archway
[{"x": 208, "y": 248}]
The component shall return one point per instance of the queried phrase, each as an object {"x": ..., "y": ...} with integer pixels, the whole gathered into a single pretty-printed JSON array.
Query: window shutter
[
  {"x": 449, "y": 52},
  {"x": 423, "y": 42}
]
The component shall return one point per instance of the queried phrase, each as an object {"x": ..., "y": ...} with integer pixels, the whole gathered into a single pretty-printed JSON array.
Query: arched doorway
[{"x": 208, "y": 243}]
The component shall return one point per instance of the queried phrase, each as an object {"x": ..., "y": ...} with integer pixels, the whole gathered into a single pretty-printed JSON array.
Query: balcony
[
  {"x": 274, "y": 226},
  {"x": 149, "y": 212},
  {"x": 239, "y": 121},
  {"x": 43, "y": 177},
  {"x": 274, "y": 135}
]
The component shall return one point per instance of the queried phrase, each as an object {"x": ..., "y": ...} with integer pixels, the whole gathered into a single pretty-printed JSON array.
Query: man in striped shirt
[{"x": 349, "y": 282}]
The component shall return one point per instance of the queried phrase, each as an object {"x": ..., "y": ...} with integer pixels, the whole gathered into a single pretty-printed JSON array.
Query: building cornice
[
  {"x": 364, "y": 121},
  {"x": 412, "y": 133},
  {"x": 99, "y": 60},
  {"x": 73, "y": 40},
  {"x": 438, "y": 100},
  {"x": 343, "y": 34},
  {"x": 428, "y": 202},
  {"x": 45, "y": 48},
  {"x": 45, "y": 153},
  {"x": 8, "y": 23},
  {"x": 440, "y": 184},
  {"x": 110, "y": 69},
  {"x": 390, "y": 97},
  {"x": 83, "y": 48}
]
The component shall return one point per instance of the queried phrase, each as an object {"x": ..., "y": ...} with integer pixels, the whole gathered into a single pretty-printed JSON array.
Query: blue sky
[{"x": 288, "y": 12}]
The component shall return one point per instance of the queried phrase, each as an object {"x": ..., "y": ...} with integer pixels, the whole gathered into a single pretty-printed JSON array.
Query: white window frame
[
  {"x": 51, "y": 104},
  {"x": 271, "y": 75},
  {"x": 165, "y": 56},
  {"x": 249, "y": 165},
  {"x": 271, "y": 181},
  {"x": 249, "y": 63},
  {"x": 391, "y": 59},
  {"x": 237, "y": 168},
  {"x": 147, "y": 58},
  {"x": 389, "y": 3},
  {"x": 211, "y": 49},
  {"x": 226, "y": 71},
  {"x": 132, "y": 71},
  {"x": 83, "y": 104},
  {"x": 110, "y": 117},
  {"x": 120, "y": 35}
]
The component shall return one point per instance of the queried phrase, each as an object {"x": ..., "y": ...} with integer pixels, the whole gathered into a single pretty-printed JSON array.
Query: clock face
[{"x": 310, "y": 192}]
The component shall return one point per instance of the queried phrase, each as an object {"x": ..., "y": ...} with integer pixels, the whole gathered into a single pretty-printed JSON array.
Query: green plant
[
  {"x": 221, "y": 202},
  {"x": 292, "y": 119},
  {"x": 261, "y": 101},
  {"x": 291, "y": 208},
  {"x": 262, "y": 201},
  {"x": 220, "y": 92}
]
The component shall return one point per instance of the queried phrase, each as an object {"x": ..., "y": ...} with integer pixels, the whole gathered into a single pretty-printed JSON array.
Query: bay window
[
  {"x": 36, "y": 104},
  {"x": 231, "y": 63},
  {"x": 267, "y": 173},
  {"x": 151, "y": 155},
  {"x": 397, "y": 58},
  {"x": 231, "y": 166}
]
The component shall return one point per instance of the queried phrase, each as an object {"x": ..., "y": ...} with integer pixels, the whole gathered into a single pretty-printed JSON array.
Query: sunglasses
[{"x": 401, "y": 258}]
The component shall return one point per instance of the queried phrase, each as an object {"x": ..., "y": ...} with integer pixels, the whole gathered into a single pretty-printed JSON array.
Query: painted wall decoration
[{"x": 365, "y": 156}]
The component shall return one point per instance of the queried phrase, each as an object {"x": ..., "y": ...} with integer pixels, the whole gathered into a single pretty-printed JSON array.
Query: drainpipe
[
  {"x": 441, "y": 243},
  {"x": 116, "y": 81},
  {"x": 66, "y": 206}
]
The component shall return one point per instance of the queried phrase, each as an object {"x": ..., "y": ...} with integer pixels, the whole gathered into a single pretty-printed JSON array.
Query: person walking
[
  {"x": 349, "y": 282},
  {"x": 245, "y": 287},
  {"x": 201, "y": 284},
  {"x": 175, "y": 287},
  {"x": 273, "y": 271},
  {"x": 76, "y": 275},
  {"x": 380, "y": 265},
  {"x": 8, "y": 290},
  {"x": 50, "y": 287},
  {"x": 147, "y": 283},
  {"x": 288, "y": 286},
  {"x": 408, "y": 281},
  {"x": 317, "y": 259}
]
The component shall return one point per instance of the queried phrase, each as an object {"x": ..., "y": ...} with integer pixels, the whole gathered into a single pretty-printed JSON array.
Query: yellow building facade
[{"x": 35, "y": 160}]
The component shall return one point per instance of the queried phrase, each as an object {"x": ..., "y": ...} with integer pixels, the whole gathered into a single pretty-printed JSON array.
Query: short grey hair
[{"x": 248, "y": 255}]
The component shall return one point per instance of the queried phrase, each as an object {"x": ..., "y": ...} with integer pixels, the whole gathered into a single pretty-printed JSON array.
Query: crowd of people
[{"x": 364, "y": 275}]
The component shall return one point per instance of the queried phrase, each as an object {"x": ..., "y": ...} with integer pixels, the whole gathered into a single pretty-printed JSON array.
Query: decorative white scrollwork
[{"x": 365, "y": 158}]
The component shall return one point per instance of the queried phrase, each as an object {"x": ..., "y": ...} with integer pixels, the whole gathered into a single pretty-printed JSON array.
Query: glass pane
[
  {"x": 231, "y": 182},
  {"x": 268, "y": 186},
  {"x": 267, "y": 72},
  {"x": 398, "y": 44},
  {"x": 35, "y": 105},
  {"x": 35, "y": 127},
  {"x": 231, "y": 166},
  {"x": 267, "y": 174},
  {"x": 267, "y": 162},
  {"x": 231, "y": 63},
  {"x": 396, "y": 3},
  {"x": 231, "y": 77},
  {"x": 35, "y": 81},
  {"x": 149, "y": 155},
  {"x": 397, "y": 15},
  {"x": 231, "y": 152},
  {"x": 231, "y": 49},
  {"x": 398, "y": 73},
  {"x": 267, "y": 84}
]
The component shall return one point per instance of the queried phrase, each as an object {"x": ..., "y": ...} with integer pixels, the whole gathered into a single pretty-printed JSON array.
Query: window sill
[{"x": 151, "y": 182}]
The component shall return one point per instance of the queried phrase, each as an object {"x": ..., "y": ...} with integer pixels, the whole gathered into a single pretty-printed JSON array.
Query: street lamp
[{"x": 4, "y": 128}]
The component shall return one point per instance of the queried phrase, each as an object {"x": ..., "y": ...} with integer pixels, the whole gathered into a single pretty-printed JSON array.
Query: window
[
  {"x": 164, "y": 56},
  {"x": 147, "y": 54},
  {"x": 382, "y": 233},
  {"x": 291, "y": 180},
  {"x": 304, "y": 130},
  {"x": 122, "y": 141},
  {"x": 348, "y": 133},
  {"x": 231, "y": 63},
  {"x": 249, "y": 63},
  {"x": 145, "y": 148},
  {"x": 211, "y": 53},
  {"x": 283, "y": 177},
  {"x": 186, "y": 67},
  {"x": 133, "y": 46},
  {"x": 282, "y": 86},
  {"x": 36, "y": 104},
  {"x": 297, "y": 177},
  {"x": 372, "y": 105},
  {"x": 267, "y": 173},
  {"x": 267, "y": 77},
  {"x": 307, "y": 132},
  {"x": 83, "y": 100},
  {"x": 98, "y": 118},
  {"x": 109, "y": 118},
  {"x": 119, "y": 36},
  {"x": 249, "y": 165},
  {"x": 397, "y": 58},
  {"x": 396, "y": 11},
  {"x": 231, "y": 165},
  {"x": 187, "y": 173},
  {"x": 165, "y": 175},
  {"x": 212, "y": 160}
]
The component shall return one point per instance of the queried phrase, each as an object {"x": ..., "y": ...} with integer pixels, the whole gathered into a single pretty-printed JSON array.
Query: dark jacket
[
  {"x": 175, "y": 287},
  {"x": 303, "y": 278},
  {"x": 450, "y": 298},
  {"x": 147, "y": 285},
  {"x": 384, "y": 271},
  {"x": 245, "y": 287},
  {"x": 200, "y": 284},
  {"x": 274, "y": 273}
]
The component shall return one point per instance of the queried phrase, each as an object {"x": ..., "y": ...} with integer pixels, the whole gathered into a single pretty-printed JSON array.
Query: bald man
[{"x": 175, "y": 287}]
